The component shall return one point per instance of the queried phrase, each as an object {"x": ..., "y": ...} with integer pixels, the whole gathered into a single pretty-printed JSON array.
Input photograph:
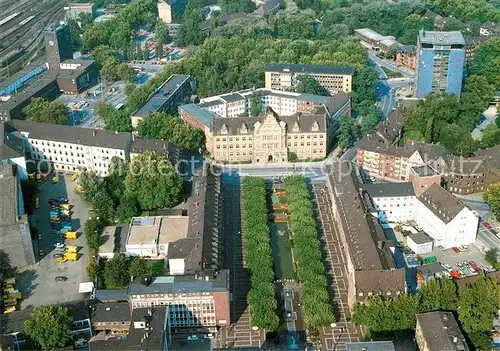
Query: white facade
[
  {"x": 460, "y": 230},
  {"x": 74, "y": 157},
  {"x": 20, "y": 162},
  {"x": 421, "y": 248},
  {"x": 395, "y": 208}
]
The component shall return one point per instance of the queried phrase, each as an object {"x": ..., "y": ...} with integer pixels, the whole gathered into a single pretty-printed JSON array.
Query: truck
[
  {"x": 70, "y": 235},
  {"x": 72, "y": 249}
]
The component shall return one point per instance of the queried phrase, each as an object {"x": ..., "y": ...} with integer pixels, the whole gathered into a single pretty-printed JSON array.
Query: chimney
[
  {"x": 94, "y": 132},
  {"x": 133, "y": 137}
]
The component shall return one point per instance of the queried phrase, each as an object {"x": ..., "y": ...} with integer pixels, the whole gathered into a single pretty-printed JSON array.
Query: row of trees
[
  {"x": 492, "y": 197},
  {"x": 441, "y": 119},
  {"x": 161, "y": 125},
  {"x": 116, "y": 272},
  {"x": 306, "y": 248},
  {"x": 476, "y": 305},
  {"x": 262, "y": 295}
]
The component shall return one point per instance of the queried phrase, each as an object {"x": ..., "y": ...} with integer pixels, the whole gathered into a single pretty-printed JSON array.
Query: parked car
[
  {"x": 487, "y": 225},
  {"x": 59, "y": 246},
  {"x": 447, "y": 267},
  {"x": 456, "y": 249},
  {"x": 61, "y": 278},
  {"x": 192, "y": 338},
  {"x": 209, "y": 336}
]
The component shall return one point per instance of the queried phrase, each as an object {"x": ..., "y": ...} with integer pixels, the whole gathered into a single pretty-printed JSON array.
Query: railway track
[{"x": 23, "y": 11}]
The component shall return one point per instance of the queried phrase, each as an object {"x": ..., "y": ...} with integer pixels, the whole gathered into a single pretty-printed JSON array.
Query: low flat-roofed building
[
  {"x": 375, "y": 41},
  {"x": 420, "y": 243},
  {"x": 114, "y": 240},
  {"x": 370, "y": 346},
  {"x": 111, "y": 317},
  {"x": 192, "y": 300},
  {"x": 173, "y": 92},
  {"x": 73, "y": 10},
  {"x": 439, "y": 331}
]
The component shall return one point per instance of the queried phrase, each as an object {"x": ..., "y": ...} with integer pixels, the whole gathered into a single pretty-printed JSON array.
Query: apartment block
[
  {"x": 170, "y": 10},
  {"x": 303, "y": 124},
  {"x": 191, "y": 301},
  {"x": 440, "y": 215},
  {"x": 175, "y": 91},
  {"x": 440, "y": 63},
  {"x": 286, "y": 76},
  {"x": 406, "y": 56}
]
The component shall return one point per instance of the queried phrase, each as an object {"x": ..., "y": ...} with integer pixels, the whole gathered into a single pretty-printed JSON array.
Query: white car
[
  {"x": 192, "y": 338},
  {"x": 447, "y": 267},
  {"x": 209, "y": 336},
  {"x": 59, "y": 246}
]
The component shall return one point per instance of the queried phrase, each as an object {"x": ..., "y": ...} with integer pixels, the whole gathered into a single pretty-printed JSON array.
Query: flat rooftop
[
  {"x": 156, "y": 102},
  {"x": 441, "y": 38},
  {"x": 173, "y": 228},
  {"x": 370, "y": 346},
  {"x": 143, "y": 230},
  {"x": 424, "y": 171}
]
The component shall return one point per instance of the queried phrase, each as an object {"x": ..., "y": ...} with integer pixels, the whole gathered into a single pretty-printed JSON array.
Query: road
[{"x": 390, "y": 65}]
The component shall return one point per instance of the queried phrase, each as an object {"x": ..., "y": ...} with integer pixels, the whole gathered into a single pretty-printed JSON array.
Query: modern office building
[
  {"x": 303, "y": 124},
  {"x": 286, "y": 76},
  {"x": 175, "y": 91},
  {"x": 57, "y": 45},
  {"x": 440, "y": 63},
  {"x": 15, "y": 234},
  {"x": 439, "y": 331}
]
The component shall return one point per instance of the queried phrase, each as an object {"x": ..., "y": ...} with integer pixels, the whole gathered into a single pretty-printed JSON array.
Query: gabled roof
[
  {"x": 379, "y": 282},
  {"x": 389, "y": 189},
  {"x": 440, "y": 202},
  {"x": 440, "y": 331}
]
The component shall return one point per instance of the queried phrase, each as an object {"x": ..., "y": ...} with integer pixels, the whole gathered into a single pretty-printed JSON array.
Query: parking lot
[{"x": 38, "y": 282}]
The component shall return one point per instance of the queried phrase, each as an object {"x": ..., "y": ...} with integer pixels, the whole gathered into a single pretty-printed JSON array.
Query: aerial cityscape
[{"x": 250, "y": 175}]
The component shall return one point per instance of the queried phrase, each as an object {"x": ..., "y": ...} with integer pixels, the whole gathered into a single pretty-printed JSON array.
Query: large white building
[
  {"x": 72, "y": 149},
  {"x": 438, "y": 213}
]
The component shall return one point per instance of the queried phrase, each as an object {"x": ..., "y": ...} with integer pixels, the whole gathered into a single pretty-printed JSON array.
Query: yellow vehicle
[
  {"x": 70, "y": 235},
  {"x": 14, "y": 294},
  {"x": 31, "y": 176},
  {"x": 10, "y": 281},
  {"x": 9, "y": 309},
  {"x": 79, "y": 189},
  {"x": 10, "y": 302},
  {"x": 66, "y": 207},
  {"x": 38, "y": 177},
  {"x": 74, "y": 177},
  {"x": 71, "y": 256},
  {"x": 72, "y": 248},
  {"x": 55, "y": 180},
  {"x": 61, "y": 259},
  {"x": 37, "y": 202}
]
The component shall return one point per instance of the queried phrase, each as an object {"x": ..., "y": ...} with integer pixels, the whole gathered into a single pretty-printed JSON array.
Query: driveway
[{"x": 37, "y": 283}]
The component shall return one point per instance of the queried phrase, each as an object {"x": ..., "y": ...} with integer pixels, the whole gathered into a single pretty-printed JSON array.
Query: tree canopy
[
  {"x": 49, "y": 326},
  {"x": 153, "y": 181},
  {"x": 42, "y": 110},
  {"x": 116, "y": 272},
  {"x": 307, "y": 254},
  {"x": 348, "y": 133},
  {"x": 309, "y": 85},
  {"x": 160, "y": 125},
  {"x": 492, "y": 197},
  {"x": 487, "y": 61},
  {"x": 262, "y": 295}
]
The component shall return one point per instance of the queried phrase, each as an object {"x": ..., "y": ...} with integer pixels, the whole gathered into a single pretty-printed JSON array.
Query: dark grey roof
[
  {"x": 161, "y": 147},
  {"x": 195, "y": 345},
  {"x": 421, "y": 238},
  {"x": 161, "y": 96},
  {"x": 111, "y": 312},
  {"x": 200, "y": 114},
  {"x": 370, "y": 346},
  {"x": 431, "y": 268},
  {"x": 407, "y": 48},
  {"x": 379, "y": 282},
  {"x": 10, "y": 145},
  {"x": 424, "y": 171},
  {"x": 440, "y": 202},
  {"x": 111, "y": 295},
  {"x": 389, "y": 130},
  {"x": 389, "y": 189},
  {"x": 232, "y": 97},
  {"x": 9, "y": 195},
  {"x": 439, "y": 330},
  {"x": 362, "y": 248},
  {"x": 210, "y": 103},
  {"x": 337, "y": 102},
  {"x": 73, "y": 135},
  {"x": 310, "y": 69},
  {"x": 180, "y": 284}
]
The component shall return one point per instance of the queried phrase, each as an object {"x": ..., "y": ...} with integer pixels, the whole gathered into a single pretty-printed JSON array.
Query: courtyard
[{"x": 38, "y": 282}]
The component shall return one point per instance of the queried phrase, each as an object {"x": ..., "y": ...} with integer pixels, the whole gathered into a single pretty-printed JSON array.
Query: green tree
[
  {"x": 116, "y": 272},
  {"x": 118, "y": 121},
  {"x": 487, "y": 61},
  {"x": 86, "y": 20},
  {"x": 161, "y": 33},
  {"x": 364, "y": 81},
  {"x": 491, "y": 136},
  {"x": 256, "y": 104},
  {"x": 309, "y": 85},
  {"x": 348, "y": 133},
  {"x": 370, "y": 117},
  {"x": 126, "y": 209},
  {"x": 492, "y": 197},
  {"x": 438, "y": 294},
  {"x": 138, "y": 266},
  {"x": 153, "y": 182},
  {"x": 102, "y": 53},
  {"x": 41, "y": 110},
  {"x": 478, "y": 305},
  {"x": 160, "y": 125},
  {"x": 492, "y": 258},
  {"x": 93, "y": 234},
  {"x": 49, "y": 326},
  {"x": 234, "y": 6}
]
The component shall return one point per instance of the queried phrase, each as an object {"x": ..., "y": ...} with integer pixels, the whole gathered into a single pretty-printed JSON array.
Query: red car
[
  {"x": 474, "y": 266},
  {"x": 455, "y": 249},
  {"x": 487, "y": 225}
]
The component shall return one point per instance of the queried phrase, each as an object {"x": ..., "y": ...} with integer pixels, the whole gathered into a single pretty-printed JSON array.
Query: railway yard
[{"x": 21, "y": 27}]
